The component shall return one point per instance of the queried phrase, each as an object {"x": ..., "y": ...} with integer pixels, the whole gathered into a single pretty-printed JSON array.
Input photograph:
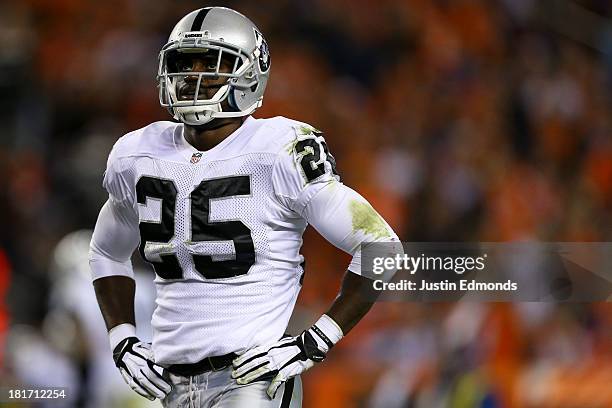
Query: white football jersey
[{"x": 222, "y": 228}]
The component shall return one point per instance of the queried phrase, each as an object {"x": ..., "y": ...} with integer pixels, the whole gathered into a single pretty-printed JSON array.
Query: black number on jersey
[
  {"x": 162, "y": 232},
  {"x": 310, "y": 151},
  {"x": 331, "y": 159},
  {"x": 202, "y": 229}
]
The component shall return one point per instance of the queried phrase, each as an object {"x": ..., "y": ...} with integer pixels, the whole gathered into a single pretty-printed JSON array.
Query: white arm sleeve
[
  {"x": 346, "y": 219},
  {"x": 114, "y": 239},
  {"x": 116, "y": 234}
]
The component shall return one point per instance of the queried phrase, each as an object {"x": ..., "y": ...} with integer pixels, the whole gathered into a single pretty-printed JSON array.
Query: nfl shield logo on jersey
[{"x": 196, "y": 157}]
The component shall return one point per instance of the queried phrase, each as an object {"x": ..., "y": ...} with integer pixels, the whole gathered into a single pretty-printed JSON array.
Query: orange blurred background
[{"x": 460, "y": 120}]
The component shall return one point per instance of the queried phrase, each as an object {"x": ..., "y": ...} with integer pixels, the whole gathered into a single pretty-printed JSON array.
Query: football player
[{"x": 218, "y": 203}]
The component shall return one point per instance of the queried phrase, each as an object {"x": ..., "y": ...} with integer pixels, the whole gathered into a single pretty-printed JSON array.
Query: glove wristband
[
  {"x": 120, "y": 332},
  {"x": 327, "y": 332}
]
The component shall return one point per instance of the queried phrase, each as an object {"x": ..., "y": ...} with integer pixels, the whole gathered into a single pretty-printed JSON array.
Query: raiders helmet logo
[{"x": 264, "y": 52}]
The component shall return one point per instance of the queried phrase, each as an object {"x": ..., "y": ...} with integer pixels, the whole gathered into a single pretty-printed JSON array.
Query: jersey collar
[{"x": 189, "y": 153}]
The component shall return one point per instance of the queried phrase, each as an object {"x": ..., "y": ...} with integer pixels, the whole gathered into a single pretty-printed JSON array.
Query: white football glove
[
  {"x": 135, "y": 362},
  {"x": 288, "y": 357}
]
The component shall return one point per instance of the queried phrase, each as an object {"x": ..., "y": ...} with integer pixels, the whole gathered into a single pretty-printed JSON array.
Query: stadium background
[{"x": 460, "y": 120}]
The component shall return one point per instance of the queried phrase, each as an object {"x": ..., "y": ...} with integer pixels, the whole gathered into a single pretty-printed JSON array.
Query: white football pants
[{"x": 219, "y": 390}]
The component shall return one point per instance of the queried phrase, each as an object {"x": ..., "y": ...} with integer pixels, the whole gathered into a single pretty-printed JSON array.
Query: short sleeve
[
  {"x": 302, "y": 168},
  {"x": 118, "y": 179}
]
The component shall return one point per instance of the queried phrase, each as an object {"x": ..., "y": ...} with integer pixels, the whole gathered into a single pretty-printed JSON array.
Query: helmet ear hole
[{"x": 254, "y": 87}]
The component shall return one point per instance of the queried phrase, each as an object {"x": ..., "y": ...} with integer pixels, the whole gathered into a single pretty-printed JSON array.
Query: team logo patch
[{"x": 195, "y": 157}]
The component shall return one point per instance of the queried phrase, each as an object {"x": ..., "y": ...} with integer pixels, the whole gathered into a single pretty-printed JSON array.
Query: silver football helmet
[{"x": 221, "y": 32}]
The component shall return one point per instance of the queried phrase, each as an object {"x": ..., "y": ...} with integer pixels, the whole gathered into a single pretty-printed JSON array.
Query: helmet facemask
[{"x": 174, "y": 81}]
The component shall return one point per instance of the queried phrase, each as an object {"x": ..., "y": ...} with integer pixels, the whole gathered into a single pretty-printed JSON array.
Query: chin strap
[
  {"x": 202, "y": 114},
  {"x": 196, "y": 118}
]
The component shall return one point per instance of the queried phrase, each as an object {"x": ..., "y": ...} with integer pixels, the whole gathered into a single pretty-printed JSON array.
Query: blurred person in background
[{"x": 71, "y": 349}]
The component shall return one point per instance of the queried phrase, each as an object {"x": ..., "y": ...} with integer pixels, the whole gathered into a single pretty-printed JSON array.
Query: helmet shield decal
[{"x": 264, "y": 52}]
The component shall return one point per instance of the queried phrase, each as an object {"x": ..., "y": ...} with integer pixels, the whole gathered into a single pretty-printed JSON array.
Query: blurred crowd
[{"x": 460, "y": 120}]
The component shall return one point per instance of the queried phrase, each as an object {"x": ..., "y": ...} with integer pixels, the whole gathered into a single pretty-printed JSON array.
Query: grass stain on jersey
[
  {"x": 300, "y": 131},
  {"x": 333, "y": 184},
  {"x": 366, "y": 219},
  {"x": 304, "y": 130},
  {"x": 290, "y": 147}
]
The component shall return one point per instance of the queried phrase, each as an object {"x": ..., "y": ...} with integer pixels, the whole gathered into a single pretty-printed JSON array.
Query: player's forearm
[
  {"x": 355, "y": 299},
  {"x": 115, "y": 296}
]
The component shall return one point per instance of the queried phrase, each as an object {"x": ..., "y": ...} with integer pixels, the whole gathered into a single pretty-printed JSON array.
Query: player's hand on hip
[
  {"x": 288, "y": 357},
  {"x": 135, "y": 362},
  {"x": 279, "y": 362}
]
